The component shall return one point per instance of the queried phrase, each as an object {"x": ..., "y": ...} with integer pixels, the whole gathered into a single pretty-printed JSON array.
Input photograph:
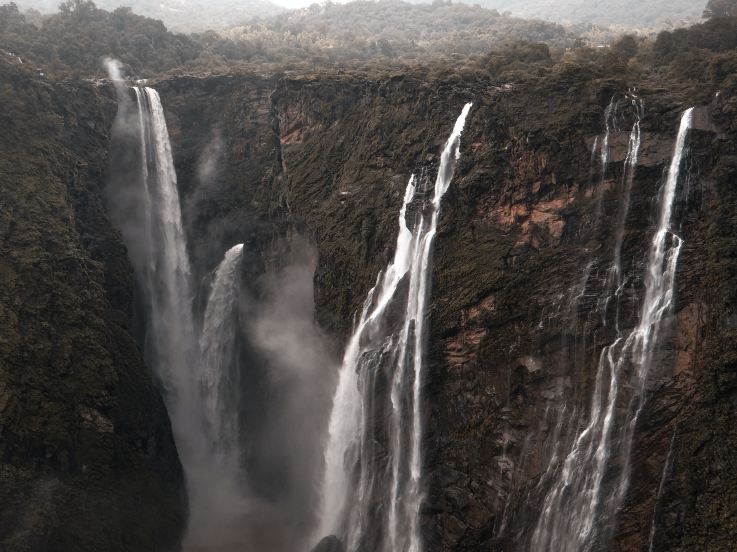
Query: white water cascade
[
  {"x": 195, "y": 373},
  {"x": 219, "y": 377},
  {"x": 578, "y": 508},
  {"x": 614, "y": 279},
  {"x": 371, "y": 497},
  {"x": 165, "y": 268}
]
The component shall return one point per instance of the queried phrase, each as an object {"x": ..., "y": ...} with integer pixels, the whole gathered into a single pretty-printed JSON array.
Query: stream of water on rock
[
  {"x": 219, "y": 375},
  {"x": 371, "y": 498},
  {"x": 195, "y": 363},
  {"x": 579, "y": 506},
  {"x": 164, "y": 268}
]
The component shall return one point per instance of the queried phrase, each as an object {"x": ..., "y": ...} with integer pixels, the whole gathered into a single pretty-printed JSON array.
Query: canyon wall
[
  {"x": 522, "y": 253},
  {"x": 524, "y": 243},
  {"x": 87, "y": 456}
]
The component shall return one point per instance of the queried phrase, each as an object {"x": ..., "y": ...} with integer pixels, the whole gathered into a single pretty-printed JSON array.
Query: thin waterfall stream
[
  {"x": 578, "y": 507},
  {"x": 354, "y": 480}
]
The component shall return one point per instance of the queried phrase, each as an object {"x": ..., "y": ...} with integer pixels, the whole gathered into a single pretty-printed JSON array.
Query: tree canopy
[{"x": 720, "y": 8}]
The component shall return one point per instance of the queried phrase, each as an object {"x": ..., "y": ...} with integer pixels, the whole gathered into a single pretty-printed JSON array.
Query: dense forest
[
  {"x": 388, "y": 35},
  {"x": 178, "y": 15},
  {"x": 391, "y": 34},
  {"x": 366, "y": 30},
  {"x": 75, "y": 38}
]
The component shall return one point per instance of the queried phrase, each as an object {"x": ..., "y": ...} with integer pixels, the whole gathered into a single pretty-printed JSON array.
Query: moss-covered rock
[{"x": 87, "y": 458}]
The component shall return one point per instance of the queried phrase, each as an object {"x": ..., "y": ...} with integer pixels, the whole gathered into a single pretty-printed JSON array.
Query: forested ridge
[
  {"x": 628, "y": 13},
  {"x": 376, "y": 36},
  {"x": 394, "y": 32},
  {"x": 178, "y": 15}
]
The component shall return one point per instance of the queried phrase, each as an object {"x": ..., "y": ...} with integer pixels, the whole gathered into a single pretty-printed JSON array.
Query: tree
[
  {"x": 720, "y": 8},
  {"x": 10, "y": 17},
  {"x": 626, "y": 47}
]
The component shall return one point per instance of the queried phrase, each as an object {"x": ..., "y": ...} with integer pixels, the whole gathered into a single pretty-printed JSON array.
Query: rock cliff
[
  {"x": 524, "y": 244},
  {"x": 87, "y": 459},
  {"x": 522, "y": 254}
]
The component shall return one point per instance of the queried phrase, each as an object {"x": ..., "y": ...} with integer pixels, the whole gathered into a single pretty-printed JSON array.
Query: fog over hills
[
  {"x": 179, "y": 15},
  {"x": 629, "y": 13},
  {"x": 198, "y": 15}
]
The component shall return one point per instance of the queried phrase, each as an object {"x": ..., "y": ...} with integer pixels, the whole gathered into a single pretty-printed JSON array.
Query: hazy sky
[{"x": 293, "y": 3}]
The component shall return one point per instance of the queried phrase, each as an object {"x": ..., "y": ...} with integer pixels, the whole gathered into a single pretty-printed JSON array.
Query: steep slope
[
  {"x": 522, "y": 254},
  {"x": 526, "y": 239},
  {"x": 87, "y": 457}
]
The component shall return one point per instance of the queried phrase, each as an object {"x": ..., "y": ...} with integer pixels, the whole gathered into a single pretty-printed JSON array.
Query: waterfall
[
  {"x": 609, "y": 121},
  {"x": 219, "y": 376},
  {"x": 661, "y": 488},
  {"x": 614, "y": 281},
  {"x": 387, "y": 344},
  {"x": 577, "y": 509},
  {"x": 197, "y": 375},
  {"x": 164, "y": 268}
]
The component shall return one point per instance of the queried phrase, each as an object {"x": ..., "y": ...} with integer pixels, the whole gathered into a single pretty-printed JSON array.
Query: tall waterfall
[
  {"x": 578, "y": 507},
  {"x": 196, "y": 374},
  {"x": 371, "y": 498},
  {"x": 164, "y": 269},
  {"x": 219, "y": 377}
]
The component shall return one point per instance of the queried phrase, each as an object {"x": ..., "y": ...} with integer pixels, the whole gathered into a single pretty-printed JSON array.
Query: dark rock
[
  {"x": 329, "y": 544},
  {"x": 520, "y": 257},
  {"x": 87, "y": 458}
]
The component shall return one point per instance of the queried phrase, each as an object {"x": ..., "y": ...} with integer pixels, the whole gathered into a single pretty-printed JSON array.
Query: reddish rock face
[
  {"x": 521, "y": 259},
  {"x": 522, "y": 254}
]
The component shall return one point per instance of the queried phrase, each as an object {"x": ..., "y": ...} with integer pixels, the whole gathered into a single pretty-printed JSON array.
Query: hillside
[
  {"x": 179, "y": 15},
  {"x": 626, "y": 13},
  {"x": 395, "y": 30},
  {"x": 390, "y": 33}
]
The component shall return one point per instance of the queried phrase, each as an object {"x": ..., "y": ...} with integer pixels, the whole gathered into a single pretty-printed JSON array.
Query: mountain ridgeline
[
  {"x": 625, "y": 13},
  {"x": 433, "y": 299}
]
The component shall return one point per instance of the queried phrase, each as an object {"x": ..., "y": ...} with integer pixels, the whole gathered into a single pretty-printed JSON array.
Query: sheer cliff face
[
  {"x": 521, "y": 258},
  {"x": 522, "y": 252},
  {"x": 87, "y": 460}
]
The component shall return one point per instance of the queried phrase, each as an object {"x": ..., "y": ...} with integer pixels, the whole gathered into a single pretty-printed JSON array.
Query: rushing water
[
  {"x": 661, "y": 488},
  {"x": 371, "y": 498},
  {"x": 165, "y": 269},
  {"x": 219, "y": 376},
  {"x": 196, "y": 370},
  {"x": 579, "y": 507}
]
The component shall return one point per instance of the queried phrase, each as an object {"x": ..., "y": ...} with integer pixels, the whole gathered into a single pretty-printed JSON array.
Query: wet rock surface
[
  {"x": 522, "y": 252},
  {"x": 329, "y": 544},
  {"x": 87, "y": 458}
]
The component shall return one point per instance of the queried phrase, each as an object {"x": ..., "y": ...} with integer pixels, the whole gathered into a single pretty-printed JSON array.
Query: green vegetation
[
  {"x": 364, "y": 30},
  {"x": 393, "y": 33},
  {"x": 374, "y": 36},
  {"x": 75, "y": 39}
]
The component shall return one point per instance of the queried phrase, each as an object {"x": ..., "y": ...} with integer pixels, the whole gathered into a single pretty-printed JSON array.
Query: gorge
[{"x": 483, "y": 306}]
